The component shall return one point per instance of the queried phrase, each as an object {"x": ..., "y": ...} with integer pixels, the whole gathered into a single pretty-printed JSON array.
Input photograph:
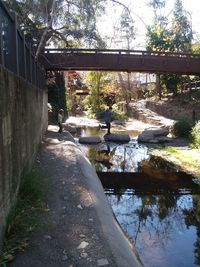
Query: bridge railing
[
  {"x": 120, "y": 52},
  {"x": 15, "y": 53}
]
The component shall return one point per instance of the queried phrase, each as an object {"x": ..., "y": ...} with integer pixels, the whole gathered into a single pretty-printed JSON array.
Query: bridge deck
[{"x": 121, "y": 60}]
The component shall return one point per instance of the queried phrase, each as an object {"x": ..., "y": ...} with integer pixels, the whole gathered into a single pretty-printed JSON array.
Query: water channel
[{"x": 157, "y": 206}]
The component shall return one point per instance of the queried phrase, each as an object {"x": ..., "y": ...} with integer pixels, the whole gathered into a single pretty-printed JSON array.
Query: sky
[{"x": 142, "y": 14}]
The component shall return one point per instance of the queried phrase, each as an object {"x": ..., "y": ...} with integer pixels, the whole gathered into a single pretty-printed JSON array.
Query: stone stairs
[{"x": 140, "y": 112}]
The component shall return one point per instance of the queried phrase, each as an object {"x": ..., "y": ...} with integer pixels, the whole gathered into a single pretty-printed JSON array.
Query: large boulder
[
  {"x": 89, "y": 140},
  {"x": 121, "y": 138},
  {"x": 154, "y": 135}
]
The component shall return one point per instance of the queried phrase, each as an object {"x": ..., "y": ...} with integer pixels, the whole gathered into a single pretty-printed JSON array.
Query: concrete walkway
[{"x": 82, "y": 229}]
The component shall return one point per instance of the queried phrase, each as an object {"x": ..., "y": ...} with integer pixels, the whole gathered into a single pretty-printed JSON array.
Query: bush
[
  {"x": 196, "y": 95},
  {"x": 195, "y": 135},
  {"x": 182, "y": 127}
]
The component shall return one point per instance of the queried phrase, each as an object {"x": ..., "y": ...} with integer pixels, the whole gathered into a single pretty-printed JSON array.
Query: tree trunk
[
  {"x": 158, "y": 87},
  {"x": 49, "y": 25},
  {"x": 128, "y": 93}
]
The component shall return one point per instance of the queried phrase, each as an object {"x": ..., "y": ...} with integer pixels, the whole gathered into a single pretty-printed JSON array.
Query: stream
[{"x": 157, "y": 206}]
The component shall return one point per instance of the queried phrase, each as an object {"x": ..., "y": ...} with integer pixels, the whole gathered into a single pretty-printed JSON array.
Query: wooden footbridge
[
  {"x": 121, "y": 60},
  {"x": 16, "y": 55}
]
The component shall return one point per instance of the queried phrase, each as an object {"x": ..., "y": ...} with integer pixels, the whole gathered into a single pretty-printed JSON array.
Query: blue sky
[{"x": 141, "y": 12}]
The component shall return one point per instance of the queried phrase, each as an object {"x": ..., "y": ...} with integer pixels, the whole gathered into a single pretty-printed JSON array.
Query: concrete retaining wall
[
  {"x": 170, "y": 112},
  {"x": 23, "y": 119}
]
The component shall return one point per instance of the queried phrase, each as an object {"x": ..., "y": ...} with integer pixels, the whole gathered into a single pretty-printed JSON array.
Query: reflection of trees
[
  {"x": 192, "y": 217},
  {"x": 153, "y": 217},
  {"x": 117, "y": 158}
]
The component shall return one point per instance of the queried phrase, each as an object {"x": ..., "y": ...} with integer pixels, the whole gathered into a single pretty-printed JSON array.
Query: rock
[
  {"x": 66, "y": 136},
  {"x": 47, "y": 237},
  {"x": 154, "y": 135},
  {"x": 102, "y": 262},
  {"x": 83, "y": 245},
  {"x": 84, "y": 255},
  {"x": 122, "y": 138},
  {"x": 89, "y": 140},
  {"x": 164, "y": 139},
  {"x": 82, "y": 235},
  {"x": 65, "y": 258},
  {"x": 69, "y": 128}
]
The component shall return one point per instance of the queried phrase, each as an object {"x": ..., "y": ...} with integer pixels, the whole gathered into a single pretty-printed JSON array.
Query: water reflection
[
  {"x": 164, "y": 228},
  {"x": 114, "y": 157},
  {"x": 157, "y": 206}
]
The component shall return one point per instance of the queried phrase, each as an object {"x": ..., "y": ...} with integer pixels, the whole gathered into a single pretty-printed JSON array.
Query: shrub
[
  {"x": 196, "y": 95},
  {"x": 195, "y": 135},
  {"x": 182, "y": 127}
]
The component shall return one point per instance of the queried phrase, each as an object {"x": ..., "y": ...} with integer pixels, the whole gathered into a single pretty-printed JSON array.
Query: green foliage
[
  {"x": 182, "y": 127},
  {"x": 117, "y": 114},
  {"x": 196, "y": 48},
  {"x": 125, "y": 32},
  {"x": 195, "y": 135},
  {"x": 156, "y": 4},
  {"x": 196, "y": 95},
  {"x": 174, "y": 37},
  {"x": 25, "y": 215},
  {"x": 56, "y": 94},
  {"x": 98, "y": 83},
  {"x": 181, "y": 29},
  {"x": 158, "y": 38},
  {"x": 171, "y": 81},
  {"x": 63, "y": 23}
]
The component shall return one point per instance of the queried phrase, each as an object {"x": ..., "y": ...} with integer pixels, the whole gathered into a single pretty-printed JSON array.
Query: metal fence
[{"x": 15, "y": 53}]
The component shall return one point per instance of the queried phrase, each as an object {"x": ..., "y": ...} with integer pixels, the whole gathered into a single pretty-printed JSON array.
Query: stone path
[{"x": 146, "y": 115}]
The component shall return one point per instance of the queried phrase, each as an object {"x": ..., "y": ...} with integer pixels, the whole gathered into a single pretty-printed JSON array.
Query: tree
[
  {"x": 181, "y": 40},
  {"x": 125, "y": 34},
  {"x": 96, "y": 81},
  {"x": 64, "y": 23},
  {"x": 61, "y": 22},
  {"x": 181, "y": 29},
  {"x": 158, "y": 34},
  {"x": 157, "y": 6},
  {"x": 56, "y": 92},
  {"x": 174, "y": 37}
]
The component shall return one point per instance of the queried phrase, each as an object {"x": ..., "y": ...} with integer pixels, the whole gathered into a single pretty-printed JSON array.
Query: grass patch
[
  {"x": 25, "y": 216},
  {"x": 186, "y": 160}
]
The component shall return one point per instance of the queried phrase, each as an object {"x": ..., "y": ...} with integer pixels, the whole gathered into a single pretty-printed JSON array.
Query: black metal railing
[{"x": 15, "y": 53}]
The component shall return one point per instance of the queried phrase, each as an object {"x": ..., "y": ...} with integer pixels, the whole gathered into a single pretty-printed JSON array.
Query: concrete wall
[
  {"x": 169, "y": 111},
  {"x": 23, "y": 119}
]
